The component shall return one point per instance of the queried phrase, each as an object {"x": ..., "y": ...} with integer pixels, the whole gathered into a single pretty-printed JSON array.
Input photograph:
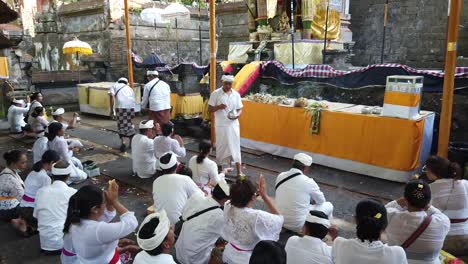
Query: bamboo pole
[
  {"x": 129, "y": 45},
  {"x": 450, "y": 64},
  {"x": 384, "y": 32},
  {"x": 212, "y": 61}
]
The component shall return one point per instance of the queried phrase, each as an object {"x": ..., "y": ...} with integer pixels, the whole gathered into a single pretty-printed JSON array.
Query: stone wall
[
  {"x": 231, "y": 26},
  {"x": 416, "y": 32}
]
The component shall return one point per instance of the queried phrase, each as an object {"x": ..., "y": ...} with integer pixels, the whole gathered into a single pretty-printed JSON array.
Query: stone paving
[{"x": 101, "y": 142}]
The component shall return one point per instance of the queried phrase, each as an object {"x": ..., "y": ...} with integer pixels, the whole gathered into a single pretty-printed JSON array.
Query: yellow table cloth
[
  {"x": 384, "y": 142},
  {"x": 187, "y": 106}
]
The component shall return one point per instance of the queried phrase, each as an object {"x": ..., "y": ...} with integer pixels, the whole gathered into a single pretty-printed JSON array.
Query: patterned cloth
[
  {"x": 326, "y": 71},
  {"x": 124, "y": 121}
]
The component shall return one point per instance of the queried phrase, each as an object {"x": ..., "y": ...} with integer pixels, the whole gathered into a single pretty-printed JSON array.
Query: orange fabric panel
[
  {"x": 380, "y": 141},
  {"x": 403, "y": 99},
  {"x": 3, "y": 68}
]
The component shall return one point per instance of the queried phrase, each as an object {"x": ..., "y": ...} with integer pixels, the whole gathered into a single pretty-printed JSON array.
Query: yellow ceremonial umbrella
[{"x": 77, "y": 47}]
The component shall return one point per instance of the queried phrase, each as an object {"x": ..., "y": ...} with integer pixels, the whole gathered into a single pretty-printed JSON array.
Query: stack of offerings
[
  {"x": 91, "y": 168},
  {"x": 403, "y": 97}
]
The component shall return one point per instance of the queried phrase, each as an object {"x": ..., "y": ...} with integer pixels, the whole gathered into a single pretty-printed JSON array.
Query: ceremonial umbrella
[{"x": 77, "y": 47}]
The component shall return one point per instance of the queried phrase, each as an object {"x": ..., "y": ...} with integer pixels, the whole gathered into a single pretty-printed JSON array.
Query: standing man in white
[
  {"x": 157, "y": 99},
  {"x": 122, "y": 98},
  {"x": 227, "y": 105}
]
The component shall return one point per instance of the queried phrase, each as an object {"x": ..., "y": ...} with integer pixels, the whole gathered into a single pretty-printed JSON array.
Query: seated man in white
[
  {"x": 203, "y": 223},
  {"x": 143, "y": 160},
  {"x": 297, "y": 194},
  {"x": 168, "y": 142},
  {"x": 310, "y": 249},
  {"x": 155, "y": 238},
  {"x": 171, "y": 191},
  {"x": 51, "y": 208}
]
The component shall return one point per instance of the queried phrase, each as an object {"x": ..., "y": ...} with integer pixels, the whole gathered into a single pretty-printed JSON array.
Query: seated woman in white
[
  {"x": 311, "y": 248},
  {"x": 40, "y": 146},
  {"x": 94, "y": 241},
  {"x": 371, "y": 220},
  {"x": 244, "y": 227},
  {"x": 450, "y": 195},
  {"x": 156, "y": 238},
  {"x": 35, "y": 180},
  {"x": 205, "y": 171},
  {"x": 58, "y": 143},
  {"x": 407, "y": 215},
  {"x": 39, "y": 122}
]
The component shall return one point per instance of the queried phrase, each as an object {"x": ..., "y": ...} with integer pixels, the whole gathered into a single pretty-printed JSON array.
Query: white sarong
[{"x": 228, "y": 143}]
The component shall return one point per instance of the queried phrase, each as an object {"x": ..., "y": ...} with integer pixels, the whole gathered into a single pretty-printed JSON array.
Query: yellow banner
[
  {"x": 403, "y": 99},
  {"x": 319, "y": 21},
  {"x": 3, "y": 68}
]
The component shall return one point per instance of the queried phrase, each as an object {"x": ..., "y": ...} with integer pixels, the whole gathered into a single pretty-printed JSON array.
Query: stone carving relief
[{"x": 54, "y": 59}]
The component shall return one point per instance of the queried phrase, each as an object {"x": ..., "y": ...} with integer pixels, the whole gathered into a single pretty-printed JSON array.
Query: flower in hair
[
  {"x": 420, "y": 186},
  {"x": 377, "y": 215},
  {"x": 242, "y": 177}
]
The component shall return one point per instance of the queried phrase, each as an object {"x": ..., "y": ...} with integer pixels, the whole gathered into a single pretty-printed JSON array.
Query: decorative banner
[
  {"x": 334, "y": 20},
  {"x": 3, "y": 68}
]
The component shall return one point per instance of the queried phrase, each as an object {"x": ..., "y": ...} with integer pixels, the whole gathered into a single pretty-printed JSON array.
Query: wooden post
[
  {"x": 450, "y": 64},
  {"x": 129, "y": 45},
  {"x": 212, "y": 62},
  {"x": 384, "y": 32}
]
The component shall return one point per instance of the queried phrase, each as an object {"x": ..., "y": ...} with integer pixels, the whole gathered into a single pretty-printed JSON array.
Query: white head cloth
[
  {"x": 227, "y": 78},
  {"x": 304, "y": 159},
  {"x": 317, "y": 220},
  {"x": 61, "y": 171},
  {"x": 16, "y": 101},
  {"x": 172, "y": 162},
  {"x": 154, "y": 72},
  {"x": 59, "y": 111},
  {"x": 224, "y": 186},
  {"x": 146, "y": 125},
  {"x": 160, "y": 232},
  {"x": 123, "y": 79}
]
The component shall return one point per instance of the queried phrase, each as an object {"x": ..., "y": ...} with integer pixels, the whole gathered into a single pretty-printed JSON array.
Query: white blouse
[
  {"x": 402, "y": 223},
  {"x": 41, "y": 145},
  {"x": 68, "y": 255},
  {"x": 95, "y": 242},
  {"x": 451, "y": 197},
  {"x": 60, "y": 145},
  {"x": 163, "y": 144},
  {"x": 354, "y": 251},
  {"x": 205, "y": 172},
  {"x": 11, "y": 189},
  {"x": 145, "y": 258},
  {"x": 307, "y": 250},
  {"x": 244, "y": 228},
  {"x": 32, "y": 184}
]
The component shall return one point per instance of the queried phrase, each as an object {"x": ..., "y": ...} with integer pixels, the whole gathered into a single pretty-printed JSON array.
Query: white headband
[
  {"x": 61, "y": 171},
  {"x": 16, "y": 101},
  {"x": 227, "y": 78},
  {"x": 317, "y": 220},
  {"x": 172, "y": 162},
  {"x": 123, "y": 79},
  {"x": 156, "y": 73},
  {"x": 59, "y": 111},
  {"x": 224, "y": 186},
  {"x": 160, "y": 232},
  {"x": 148, "y": 124}
]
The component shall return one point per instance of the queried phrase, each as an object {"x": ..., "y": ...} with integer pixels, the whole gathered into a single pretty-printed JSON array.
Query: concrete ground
[{"x": 343, "y": 189}]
